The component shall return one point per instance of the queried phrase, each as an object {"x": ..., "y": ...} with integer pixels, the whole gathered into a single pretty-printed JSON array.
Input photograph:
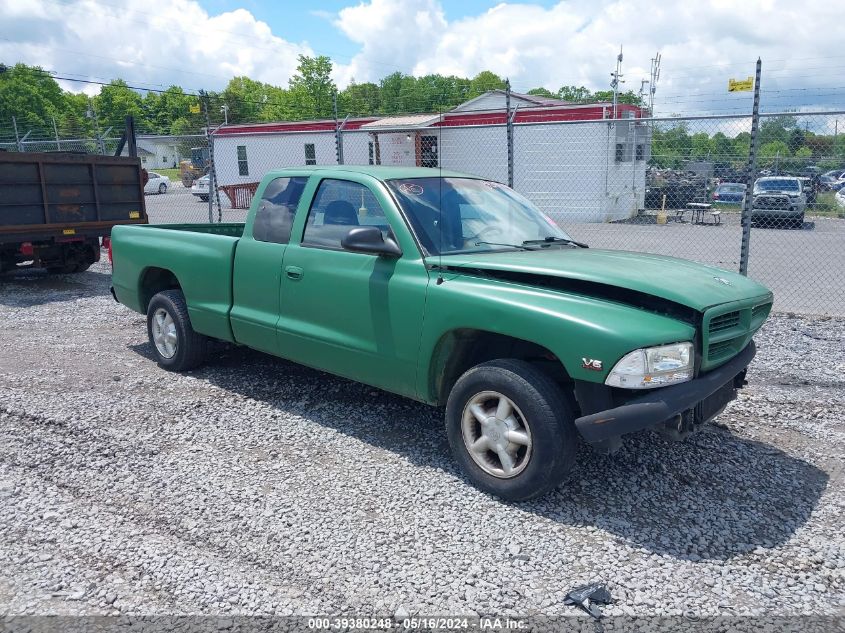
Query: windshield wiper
[
  {"x": 555, "y": 240},
  {"x": 519, "y": 246}
]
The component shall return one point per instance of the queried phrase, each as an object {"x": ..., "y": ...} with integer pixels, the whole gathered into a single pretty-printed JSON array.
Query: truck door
[
  {"x": 258, "y": 264},
  {"x": 353, "y": 314}
]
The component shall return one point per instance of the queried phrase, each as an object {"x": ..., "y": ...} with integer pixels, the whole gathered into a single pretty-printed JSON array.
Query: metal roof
[{"x": 404, "y": 121}]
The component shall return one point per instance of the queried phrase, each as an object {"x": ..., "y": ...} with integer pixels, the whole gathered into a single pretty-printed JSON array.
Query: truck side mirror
[{"x": 368, "y": 239}]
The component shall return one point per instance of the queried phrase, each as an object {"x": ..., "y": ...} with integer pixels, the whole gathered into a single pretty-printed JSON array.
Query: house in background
[
  {"x": 159, "y": 151},
  {"x": 571, "y": 160}
]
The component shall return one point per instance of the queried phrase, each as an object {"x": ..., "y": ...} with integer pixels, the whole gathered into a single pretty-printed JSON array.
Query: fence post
[
  {"x": 751, "y": 170},
  {"x": 56, "y": 132},
  {"x": 17, "y": 136},
  {"x": 509, "y": 130},
  {"x": 338, "y": 133},
  {"x": 211, "y": 184}
]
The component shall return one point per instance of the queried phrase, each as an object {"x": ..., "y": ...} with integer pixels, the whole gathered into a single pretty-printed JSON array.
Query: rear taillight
[
  {"x": 27, "y": 249},
  {"x": 715, "y": 196},
  {"x": 107, "y": 244}
]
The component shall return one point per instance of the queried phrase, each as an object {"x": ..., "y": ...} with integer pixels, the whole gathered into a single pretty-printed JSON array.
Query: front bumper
[{"x": 663, "y": 404}]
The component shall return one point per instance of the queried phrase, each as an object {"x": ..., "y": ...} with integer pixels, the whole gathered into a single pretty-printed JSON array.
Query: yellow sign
[
  {"x": 68, "y": 231},
  {"x": 194, "y": 108},
  {"x": 134, "y": 215},
  {"x": 741, "y": 85}
]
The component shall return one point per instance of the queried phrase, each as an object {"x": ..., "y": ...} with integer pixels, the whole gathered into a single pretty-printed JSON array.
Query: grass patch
[
  {"x": 826, "y": 206},
  {"x": 173, "y": 174}
]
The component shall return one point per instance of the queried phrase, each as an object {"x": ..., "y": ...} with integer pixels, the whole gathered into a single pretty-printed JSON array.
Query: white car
[
  {"x": 840, "y": 198},
  {"x": 200, "y": 188},
  {"x": 157, "y": 183}
]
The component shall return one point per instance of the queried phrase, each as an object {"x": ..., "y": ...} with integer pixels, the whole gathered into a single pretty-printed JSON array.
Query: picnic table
[{"x": 697, "y": 210}]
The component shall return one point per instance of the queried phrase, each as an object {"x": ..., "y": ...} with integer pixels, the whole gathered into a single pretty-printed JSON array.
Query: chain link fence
[{"x": 677, "y": 186}]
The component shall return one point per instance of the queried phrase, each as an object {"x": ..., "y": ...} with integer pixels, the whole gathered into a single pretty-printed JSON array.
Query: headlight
[{"x": 653, "y": 367}]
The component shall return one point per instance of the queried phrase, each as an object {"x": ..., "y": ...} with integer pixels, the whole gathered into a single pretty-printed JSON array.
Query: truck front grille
[{"x": 728, "y": 329}]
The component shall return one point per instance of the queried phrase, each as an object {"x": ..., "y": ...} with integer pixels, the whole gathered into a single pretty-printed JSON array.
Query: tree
[
  {"x": 115, "y": 102},
  {"x": 312, "y": 87},
  {"x": 32, "y": 96},
  {"x": 542, "y": 92},
  {"x": 483, "y": 82},
  {"x": 574, "y": 94}
]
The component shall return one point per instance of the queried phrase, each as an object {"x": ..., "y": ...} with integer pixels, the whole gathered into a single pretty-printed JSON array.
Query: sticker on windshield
[{"x": 411, "y": 188}]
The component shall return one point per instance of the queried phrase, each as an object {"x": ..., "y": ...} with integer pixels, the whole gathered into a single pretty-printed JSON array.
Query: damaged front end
[{"x": 676, "y": 411}]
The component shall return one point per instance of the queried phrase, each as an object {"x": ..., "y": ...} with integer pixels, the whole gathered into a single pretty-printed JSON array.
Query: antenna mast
[
  {"x": 614, "y": 83},
  {"x": 655, "y": 76}
]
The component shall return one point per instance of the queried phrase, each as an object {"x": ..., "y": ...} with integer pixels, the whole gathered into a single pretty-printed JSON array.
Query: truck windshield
[
  {"x": 465, "y": 215},
  {"x": 778, "y": 184}
]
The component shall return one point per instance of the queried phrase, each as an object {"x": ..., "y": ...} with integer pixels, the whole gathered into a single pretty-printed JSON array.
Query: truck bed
[{"x": 199, "y": 256}]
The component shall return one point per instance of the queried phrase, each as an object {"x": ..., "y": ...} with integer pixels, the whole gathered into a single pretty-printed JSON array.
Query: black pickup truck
[{"x": 55, "y": 207}]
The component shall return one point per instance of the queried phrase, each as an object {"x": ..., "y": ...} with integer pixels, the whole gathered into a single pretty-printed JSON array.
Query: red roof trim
[
  {"x": 549, "y": 114},
  {"x": 290, "y": 126}
]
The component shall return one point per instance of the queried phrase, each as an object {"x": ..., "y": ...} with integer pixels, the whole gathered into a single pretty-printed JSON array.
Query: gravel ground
[{"x": 256, "y": 486}]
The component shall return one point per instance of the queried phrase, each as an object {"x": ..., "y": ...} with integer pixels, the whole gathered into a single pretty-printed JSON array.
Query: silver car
[{"x": 778, "y": 199}]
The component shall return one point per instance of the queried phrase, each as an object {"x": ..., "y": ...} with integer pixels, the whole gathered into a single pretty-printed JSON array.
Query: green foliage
[
  {"x": 542, "y": 92},
  {"x": 311, "y": 89},
  {"x": 31, "y": 95}
]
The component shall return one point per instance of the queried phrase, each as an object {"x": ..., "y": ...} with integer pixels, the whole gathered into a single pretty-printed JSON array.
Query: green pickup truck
[{"x": 458, "y": 292}]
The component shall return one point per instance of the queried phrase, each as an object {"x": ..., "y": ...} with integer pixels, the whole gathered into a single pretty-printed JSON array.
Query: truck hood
[{"x": 679, "y": 281}]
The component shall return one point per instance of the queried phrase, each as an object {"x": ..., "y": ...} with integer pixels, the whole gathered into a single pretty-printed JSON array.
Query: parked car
[
  {"x": 458, "y": 292},
  {"x": 830, "y": 178},
  {"x": 729, "y": 193},
  {"x": 200, "y": 188},
  {"x": 839, "y": 198},
  {"x": 778, "y": 199},
  {"x": 157, "y": 183}
]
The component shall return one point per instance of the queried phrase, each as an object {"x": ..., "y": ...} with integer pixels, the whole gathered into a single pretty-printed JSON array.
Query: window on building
[
  {"x": 274, "y": 217},
  {"x": 428, "y": 152},
  {"x": 620, "y": 152},
  {"x": 640, "y": 151},
  {"x": 371, "y": 148},
  {"x": 338, "y": 206},
  {"x": 243, "y": 166},
  {"x": 310, "y": 154}
]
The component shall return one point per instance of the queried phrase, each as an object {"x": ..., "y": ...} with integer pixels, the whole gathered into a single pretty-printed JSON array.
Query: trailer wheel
[{"x": 176, "y": 346}]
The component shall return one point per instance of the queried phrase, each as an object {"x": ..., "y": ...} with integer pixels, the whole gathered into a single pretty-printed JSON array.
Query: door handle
[{"x": 293, "y": 272}]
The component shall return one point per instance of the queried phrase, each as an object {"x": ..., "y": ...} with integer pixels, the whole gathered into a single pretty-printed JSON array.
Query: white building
[
  {"x": 571, "y": 160},
  {"x": 159, "y": 151}
]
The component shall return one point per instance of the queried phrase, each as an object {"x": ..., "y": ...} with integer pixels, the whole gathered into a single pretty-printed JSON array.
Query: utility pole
[{"x": 614, "y": 83}]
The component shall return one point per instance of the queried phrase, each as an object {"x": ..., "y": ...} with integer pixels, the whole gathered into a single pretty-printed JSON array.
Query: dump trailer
[{"x": 56, "y": 207}]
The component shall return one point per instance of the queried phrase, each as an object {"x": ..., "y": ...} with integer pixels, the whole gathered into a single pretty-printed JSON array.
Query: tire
[
  {"x": 162, "y": 188},
  {"x": 540, "y": 408},
  {"x": 204, "y": 198},
  {"x": 188, "y": 349},
  {"x": 798, "y": 222}
]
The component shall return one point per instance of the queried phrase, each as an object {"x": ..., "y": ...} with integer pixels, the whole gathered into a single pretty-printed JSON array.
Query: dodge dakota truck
[{"x": 458, "y": 292}]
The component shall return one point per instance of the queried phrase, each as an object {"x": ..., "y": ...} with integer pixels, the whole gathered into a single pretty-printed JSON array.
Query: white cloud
[
  {"x": 576, "y": 42},
  {"x": 573, "y": 42},
  {"x": 176, "y": 42}
]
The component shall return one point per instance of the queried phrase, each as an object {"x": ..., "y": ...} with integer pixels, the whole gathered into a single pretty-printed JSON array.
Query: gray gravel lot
[{"x": 253, "y": 485}]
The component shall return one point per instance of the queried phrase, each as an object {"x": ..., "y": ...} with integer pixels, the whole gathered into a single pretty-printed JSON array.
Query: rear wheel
[
  {"x": 204, "y": 198},
  {"x": 162, "y": 188},
  {"x": 176, "y": 346},
  {"x": 511, "y": 429}
]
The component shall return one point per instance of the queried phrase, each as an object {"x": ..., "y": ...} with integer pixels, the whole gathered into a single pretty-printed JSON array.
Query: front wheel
[
  {"x": 176, "y": 346},
  {"x": 511, "y": 429}
]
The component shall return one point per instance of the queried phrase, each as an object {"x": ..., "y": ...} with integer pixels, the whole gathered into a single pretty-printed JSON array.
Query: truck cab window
[
  {"x": 338, "y": 206},
  {"x": 275, "y": 213}
]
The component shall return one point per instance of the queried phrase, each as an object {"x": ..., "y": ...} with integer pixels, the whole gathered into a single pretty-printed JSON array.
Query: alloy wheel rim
[
  {"x": 496, "y": 434},
  {"x": 165, "y": 337}
]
